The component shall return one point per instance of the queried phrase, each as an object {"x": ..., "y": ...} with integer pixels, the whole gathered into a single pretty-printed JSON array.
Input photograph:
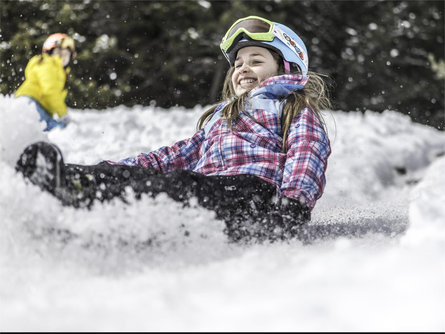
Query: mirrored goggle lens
[{"x": 251, "y": 25}]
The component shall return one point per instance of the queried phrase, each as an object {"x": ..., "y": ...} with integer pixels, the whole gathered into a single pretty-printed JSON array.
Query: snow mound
[{"x": 374, "y": 249}]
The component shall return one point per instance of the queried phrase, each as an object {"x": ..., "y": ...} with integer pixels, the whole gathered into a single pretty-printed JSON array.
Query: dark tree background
[{"x": 380, "y": 54}]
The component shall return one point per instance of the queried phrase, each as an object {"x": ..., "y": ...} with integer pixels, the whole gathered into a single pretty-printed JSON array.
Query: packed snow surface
[{"x": 374, "y": 260}]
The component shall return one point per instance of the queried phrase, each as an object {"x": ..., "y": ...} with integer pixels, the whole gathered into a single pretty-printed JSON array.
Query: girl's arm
[
  {"x": 182, "y": 155},
  {"x": 308, "y": 150},
  {"x": 52, "y": 82}
]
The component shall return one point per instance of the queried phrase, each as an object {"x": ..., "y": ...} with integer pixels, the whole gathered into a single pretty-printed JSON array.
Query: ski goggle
[
  {"x": 258, "y": 29},
  {"x": 254, "y": 27}
]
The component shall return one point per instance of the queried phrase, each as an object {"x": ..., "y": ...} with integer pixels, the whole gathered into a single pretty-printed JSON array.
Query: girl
[
  {"x": 46, "y": 77},
  {"x": 258, "y": 159}
]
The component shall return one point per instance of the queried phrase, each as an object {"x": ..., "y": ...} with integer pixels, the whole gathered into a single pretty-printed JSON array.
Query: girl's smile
[{"x": 253, "y": 65}]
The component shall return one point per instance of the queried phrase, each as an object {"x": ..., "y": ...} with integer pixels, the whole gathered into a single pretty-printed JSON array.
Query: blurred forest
[{"x": 379, "y": 54}]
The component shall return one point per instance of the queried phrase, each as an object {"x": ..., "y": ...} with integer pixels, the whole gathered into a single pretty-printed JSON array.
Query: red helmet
[{"x": 58, "y": 40}]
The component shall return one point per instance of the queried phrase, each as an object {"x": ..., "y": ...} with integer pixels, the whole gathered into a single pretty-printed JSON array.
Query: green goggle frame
[{"x": 255, "y": 27}]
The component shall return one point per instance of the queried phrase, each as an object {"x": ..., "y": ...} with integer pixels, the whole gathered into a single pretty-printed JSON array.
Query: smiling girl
[{"x": 258, "y": 158}]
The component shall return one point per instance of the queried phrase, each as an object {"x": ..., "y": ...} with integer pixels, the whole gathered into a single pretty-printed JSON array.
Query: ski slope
[{"x": 373, "y": 258}]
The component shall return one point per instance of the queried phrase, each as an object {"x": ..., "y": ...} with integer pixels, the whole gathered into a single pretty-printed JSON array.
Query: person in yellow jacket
[{"x": 45, "y": 78}]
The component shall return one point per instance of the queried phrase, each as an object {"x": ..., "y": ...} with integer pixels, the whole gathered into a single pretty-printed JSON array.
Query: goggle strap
[
  {"x": 286, "y": 67},
  {"x": 280, "y": 34}
]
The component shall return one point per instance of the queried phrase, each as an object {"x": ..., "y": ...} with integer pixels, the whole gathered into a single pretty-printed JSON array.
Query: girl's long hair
[{"x": 314, "y": 95}]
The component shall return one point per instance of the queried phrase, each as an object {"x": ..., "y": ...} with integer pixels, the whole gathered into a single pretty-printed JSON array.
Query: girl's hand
[{"x": 287, "y": 218}]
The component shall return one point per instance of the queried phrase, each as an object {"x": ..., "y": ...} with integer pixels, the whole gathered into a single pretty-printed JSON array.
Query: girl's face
[
  {"x": 253, "y": 65},
  {"x": 64, "y": 53}
]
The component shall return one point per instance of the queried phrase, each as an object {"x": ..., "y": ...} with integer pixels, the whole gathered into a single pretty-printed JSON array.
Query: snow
[{"x": 154, "y": 266}]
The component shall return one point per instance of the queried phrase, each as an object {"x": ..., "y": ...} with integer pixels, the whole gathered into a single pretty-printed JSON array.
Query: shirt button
[{"x": 252, "y": 145}]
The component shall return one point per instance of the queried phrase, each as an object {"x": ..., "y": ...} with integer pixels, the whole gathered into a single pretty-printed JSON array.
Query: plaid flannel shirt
[{"x": 254, "y": 146}]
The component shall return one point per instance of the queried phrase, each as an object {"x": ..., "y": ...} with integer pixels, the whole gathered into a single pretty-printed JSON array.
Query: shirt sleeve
[
  {"x": 308, "y": 149},
  {"x": 183, "y": 155}
]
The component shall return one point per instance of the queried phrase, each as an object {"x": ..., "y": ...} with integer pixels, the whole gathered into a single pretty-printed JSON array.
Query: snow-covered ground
[{"x": 379, "y": 267}]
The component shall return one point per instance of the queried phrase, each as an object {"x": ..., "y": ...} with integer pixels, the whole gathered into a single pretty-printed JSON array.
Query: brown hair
[{"x": 314, "y": 95}]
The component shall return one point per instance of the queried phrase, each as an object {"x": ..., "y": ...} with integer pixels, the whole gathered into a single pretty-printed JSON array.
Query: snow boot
[{"x": 42, "y": 163}]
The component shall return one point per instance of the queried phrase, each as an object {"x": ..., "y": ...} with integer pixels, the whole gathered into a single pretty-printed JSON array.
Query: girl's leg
[
  {"x": 45, "y": 116},
  {"x": 104, "y": 182},
  {"x": 229, "y": 196},
  {"x": 76, "y": 185},
  {"x": 245, "y": 202},
  {"x": 43, "y": 164}
]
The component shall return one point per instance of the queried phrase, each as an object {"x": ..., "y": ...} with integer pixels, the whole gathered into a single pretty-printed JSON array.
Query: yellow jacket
[{"x": 45, "y": 82}]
